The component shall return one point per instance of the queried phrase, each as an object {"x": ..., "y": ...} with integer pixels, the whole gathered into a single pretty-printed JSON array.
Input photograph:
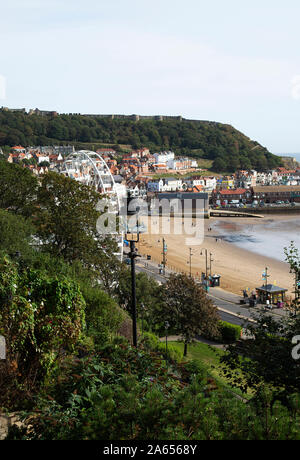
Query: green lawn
[{"x": 211, "y": 358}]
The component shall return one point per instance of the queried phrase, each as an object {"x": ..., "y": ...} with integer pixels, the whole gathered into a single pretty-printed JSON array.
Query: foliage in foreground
[
  {"x": 74, "y": 380},
  {"x": 124, "y": 393},
  {"x": 267, "y": 357}
]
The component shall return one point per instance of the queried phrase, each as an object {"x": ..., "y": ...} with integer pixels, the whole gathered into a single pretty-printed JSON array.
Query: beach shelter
[{"x": 272, "y": 293}]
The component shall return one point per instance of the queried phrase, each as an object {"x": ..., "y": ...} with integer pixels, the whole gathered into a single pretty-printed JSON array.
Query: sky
[{"x": 221, "y": 61}]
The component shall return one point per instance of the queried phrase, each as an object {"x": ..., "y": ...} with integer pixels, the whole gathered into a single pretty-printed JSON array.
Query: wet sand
[{"x": 239, "y": 268}]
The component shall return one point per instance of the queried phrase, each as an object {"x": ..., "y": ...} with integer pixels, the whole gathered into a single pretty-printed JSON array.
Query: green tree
[
  {"x": 188, "y": 309},
  {"x": 292, "y": 257},
  {"x": 40, "y": 316},
  {"x": 245, "y": 163},
  {"x": 148, "y": 292},
  {"x": 15, "y": 233},
  {"x": 266, "y": 357},
  {"x": 67, "y": 217},
  {"x": 261, "y": 163},
  {"x": 18, "y": 188},
  {"x": 103, "y": 316},
  {"x": 220, "y": 165},
  {"x": 45, "y": 164},
  {"x": 189, "y": 137}
]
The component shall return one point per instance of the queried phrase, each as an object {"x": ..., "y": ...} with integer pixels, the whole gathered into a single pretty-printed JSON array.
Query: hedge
[
  {"x": 229, "y": 332},
  {"x": 152, "y": 342}
]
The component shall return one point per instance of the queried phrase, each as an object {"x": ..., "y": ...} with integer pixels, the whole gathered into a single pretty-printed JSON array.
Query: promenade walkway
[
  {"x": 227, "y": 303},
  {"x": 226, "y": 213}
]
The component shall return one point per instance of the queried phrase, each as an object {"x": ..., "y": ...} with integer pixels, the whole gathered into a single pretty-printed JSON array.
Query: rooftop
[
  {"x": 271, "y": 288},
  {"x": 238, "y": 191}
]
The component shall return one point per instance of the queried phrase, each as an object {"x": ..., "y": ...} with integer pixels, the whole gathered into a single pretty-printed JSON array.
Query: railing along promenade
[{"x": 254, "y": 212}]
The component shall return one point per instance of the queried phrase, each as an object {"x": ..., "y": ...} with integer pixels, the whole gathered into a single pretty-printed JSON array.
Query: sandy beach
[{"x": 239, "y": 268}]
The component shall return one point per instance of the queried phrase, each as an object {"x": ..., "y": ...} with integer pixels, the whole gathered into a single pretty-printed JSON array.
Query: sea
[{"x": 269, "y": 238}]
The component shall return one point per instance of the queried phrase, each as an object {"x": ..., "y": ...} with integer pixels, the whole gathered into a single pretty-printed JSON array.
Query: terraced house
[{"x": 273, "y": 193}]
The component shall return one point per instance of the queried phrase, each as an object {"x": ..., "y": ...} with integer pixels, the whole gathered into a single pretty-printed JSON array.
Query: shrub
[
  {"x": 173, "y": 353},
  {"x": 195, "y": 366},
  {"x": 152, "y": 342},
  {"x": 229, "y": 332},
  {"x": 103, "y": 316}
]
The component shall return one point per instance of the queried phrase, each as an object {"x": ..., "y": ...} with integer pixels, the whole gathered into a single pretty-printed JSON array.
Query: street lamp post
[
  {"x": 132, "y": 256},
  {"x": 190, "y": 261},
  {"x": 164, "y": 256},
  {"x": 206, "y": 268},
  {"x": 265, "y": 278},
  {"x": 210, "y": 261}
]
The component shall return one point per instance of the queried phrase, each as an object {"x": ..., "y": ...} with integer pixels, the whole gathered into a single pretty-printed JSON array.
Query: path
[
  {"x": 178, "y": 338},
  {"x": 228, "y": 303}
]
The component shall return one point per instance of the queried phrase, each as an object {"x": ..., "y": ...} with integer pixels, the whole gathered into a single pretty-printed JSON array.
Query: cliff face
[{"x": 290, "y": 162}]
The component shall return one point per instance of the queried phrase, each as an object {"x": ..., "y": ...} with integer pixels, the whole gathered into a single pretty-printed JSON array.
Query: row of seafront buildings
[
  {"x": 136, "y": 170},
  {"x": 139, "y": 170},
  {"x": 252, "y": 187}
]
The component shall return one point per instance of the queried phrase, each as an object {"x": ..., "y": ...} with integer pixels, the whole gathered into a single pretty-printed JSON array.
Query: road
[{"x": 228, "y": 304}]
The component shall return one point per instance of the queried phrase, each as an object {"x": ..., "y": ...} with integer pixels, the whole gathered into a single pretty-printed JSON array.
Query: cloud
[{"x": 119, "y": 68}]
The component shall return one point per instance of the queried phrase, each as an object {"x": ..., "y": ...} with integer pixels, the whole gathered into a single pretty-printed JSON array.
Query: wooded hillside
[{"x": 228, "y": 148}]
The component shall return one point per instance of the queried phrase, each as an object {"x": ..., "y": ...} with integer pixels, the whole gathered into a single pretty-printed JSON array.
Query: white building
[
  {"x": 43, "y": 158},
  {"x": 164, "y": 157},
  {"x": 169, "y": 184},
  {"x": 210, "y": 183},
  {"x": 195, "y": 182}
]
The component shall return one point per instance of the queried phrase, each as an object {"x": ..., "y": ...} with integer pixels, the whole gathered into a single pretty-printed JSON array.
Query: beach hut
[{"x": 274, "y": 294}]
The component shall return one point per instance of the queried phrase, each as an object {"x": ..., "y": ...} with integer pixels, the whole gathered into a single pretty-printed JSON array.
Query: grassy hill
[{"x": 226, "y": 147}]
